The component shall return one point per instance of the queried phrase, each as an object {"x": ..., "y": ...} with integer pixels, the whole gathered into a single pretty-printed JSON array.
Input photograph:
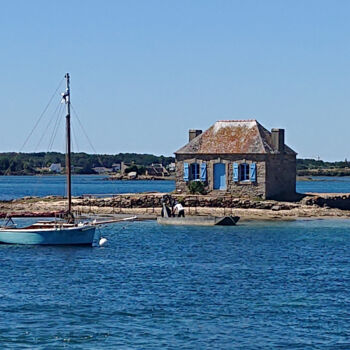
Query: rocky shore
[
  {"x": 149, "y": 204},
  {"x": 124, "y": 177}
]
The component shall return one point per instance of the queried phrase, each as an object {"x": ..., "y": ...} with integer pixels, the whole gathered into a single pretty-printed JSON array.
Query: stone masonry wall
[
  {"x": 224, "y": 200},
  {"x": 281, "y": 177},
  {"x": 242, "y": 189}
]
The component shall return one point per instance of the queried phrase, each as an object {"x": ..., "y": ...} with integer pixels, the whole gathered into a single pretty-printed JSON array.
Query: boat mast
[{"x": 68, "y": 147}]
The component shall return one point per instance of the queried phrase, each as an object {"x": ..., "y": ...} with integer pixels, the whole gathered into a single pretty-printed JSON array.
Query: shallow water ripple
[{"x": 254, "y": 286}]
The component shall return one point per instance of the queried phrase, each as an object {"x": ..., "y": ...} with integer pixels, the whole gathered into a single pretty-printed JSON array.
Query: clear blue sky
[{"x": 144, "y": 72}]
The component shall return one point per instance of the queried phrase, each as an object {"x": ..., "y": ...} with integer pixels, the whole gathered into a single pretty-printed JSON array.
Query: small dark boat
[{"x": 199, "y": 220}]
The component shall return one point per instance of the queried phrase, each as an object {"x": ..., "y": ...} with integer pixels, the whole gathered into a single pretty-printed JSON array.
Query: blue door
[{"x": 219, "y": 176}]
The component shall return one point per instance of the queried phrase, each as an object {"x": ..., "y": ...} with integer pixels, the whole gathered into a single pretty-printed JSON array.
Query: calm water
[
  {"x": 20, "y": 186},
  {"x": 253, "y": 286},
  {"x": 325, "y": 184}
]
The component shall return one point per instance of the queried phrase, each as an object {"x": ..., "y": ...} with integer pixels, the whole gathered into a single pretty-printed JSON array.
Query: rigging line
[
  {"x": 75, "y": 139},
  {"x": 58, "y": 117},
  {"x": 41, "y": 115},
  {"x": 35, "y": 126},
  {"x": 55, "y": 114},
  {"x": 57, "y": 110},
  {"x": 54, "y": 129},
  {"x": 73, "y": 143},
  {"x": 86, "y": 135},
  {"x": 81, "y": 125},
  {"x": 58, "y": 128},
  {"x": 59, "y": 120}
]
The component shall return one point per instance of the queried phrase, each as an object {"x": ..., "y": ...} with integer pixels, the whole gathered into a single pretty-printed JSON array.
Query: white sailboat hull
[{"x": 77, "y": 235}]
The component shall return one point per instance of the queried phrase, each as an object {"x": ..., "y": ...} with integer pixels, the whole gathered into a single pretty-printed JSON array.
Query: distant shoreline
[
  {"x": 104, "y": 177},
  {"x": 119, "y": 177},
  {"x": 335, "y": 172},
  {"x": 109, "y": 177}
]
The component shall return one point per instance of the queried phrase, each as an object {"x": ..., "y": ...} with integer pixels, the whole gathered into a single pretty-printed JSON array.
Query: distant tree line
[
  {"x": 320, "y": 164},
  {"x": 313, "y": 167},
  {"x": 83, "y": 163}
]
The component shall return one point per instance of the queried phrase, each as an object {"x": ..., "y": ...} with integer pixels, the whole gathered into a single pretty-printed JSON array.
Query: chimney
[
  {"x": 193, "y": 133},
  {"x": 278, "y": 139}
]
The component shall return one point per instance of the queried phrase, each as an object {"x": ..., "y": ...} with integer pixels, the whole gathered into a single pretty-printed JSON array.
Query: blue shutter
[
  {"x": 203, "y": 172},
  {"x": 185, "y": 171},
  {"x": 235, "y": 172},
  {"x": 253, "y": 172}
]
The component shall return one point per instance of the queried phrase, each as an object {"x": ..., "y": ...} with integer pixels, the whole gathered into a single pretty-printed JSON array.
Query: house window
[
  {"x": 195, "y": 174},
  {"x": 244, "y": 172}
]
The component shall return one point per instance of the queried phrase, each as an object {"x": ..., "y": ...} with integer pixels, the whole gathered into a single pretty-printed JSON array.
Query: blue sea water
[
  {"x": 325, "y": 184},
  {"x": 20, "y": 186},
  {"x": 255, "y": 286}
]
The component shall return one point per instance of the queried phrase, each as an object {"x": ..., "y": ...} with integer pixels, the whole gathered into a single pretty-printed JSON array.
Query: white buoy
[{"x": 102, "y": 241}]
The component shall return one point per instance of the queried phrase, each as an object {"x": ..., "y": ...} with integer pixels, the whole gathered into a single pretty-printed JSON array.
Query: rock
[{"x": 132, "y": 175}]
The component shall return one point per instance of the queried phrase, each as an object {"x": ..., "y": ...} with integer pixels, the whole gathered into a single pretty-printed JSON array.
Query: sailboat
[{"x": 66, "y": 231}]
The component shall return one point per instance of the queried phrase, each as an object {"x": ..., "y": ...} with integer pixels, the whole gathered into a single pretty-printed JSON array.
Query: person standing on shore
[{"x": 180, "y": 210}]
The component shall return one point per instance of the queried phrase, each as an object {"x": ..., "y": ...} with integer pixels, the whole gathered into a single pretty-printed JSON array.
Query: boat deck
[{"x": 199, "y": 220}]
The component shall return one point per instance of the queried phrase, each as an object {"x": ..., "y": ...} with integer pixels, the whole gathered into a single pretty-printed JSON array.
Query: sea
[
  {"x": 257, "y": 285},
  {"x": 12, "y": 187}
]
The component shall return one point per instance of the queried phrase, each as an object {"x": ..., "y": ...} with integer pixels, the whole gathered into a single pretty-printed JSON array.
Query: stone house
[{"x": 239, "y": 157}]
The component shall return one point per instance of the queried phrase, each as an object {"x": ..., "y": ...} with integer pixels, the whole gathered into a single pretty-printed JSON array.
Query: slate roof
[{"x": 233, "y": 137}]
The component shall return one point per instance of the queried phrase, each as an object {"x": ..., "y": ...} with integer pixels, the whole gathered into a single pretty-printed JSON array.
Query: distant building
[
  {"x": 102, "y": 170},
  {"x": 55, "y": 167},
  {"x": 171, "y": 167},
  {"x": 239, "y": 157},
  {"x": 117, "y": 166},
  {"x": 156, "y": 170},
  {"x": 124, "y": 166}
]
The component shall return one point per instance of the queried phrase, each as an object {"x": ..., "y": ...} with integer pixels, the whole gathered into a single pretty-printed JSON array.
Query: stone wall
[
  {"x": 276, "y": 175},
  {"x": 246, "y": 189},
  {"x": 334, "y": 200},
  {"x": 316, "y": 205},
  {"x": 151, "y": 201},
  {"x": 130, "y": 201},
  {"x": 281, "y": 177}
]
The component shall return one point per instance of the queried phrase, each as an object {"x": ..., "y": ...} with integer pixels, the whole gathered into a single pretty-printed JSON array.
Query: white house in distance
[
  {"x": 171, "y": 167},
  {"x": 55, "y": 167}
]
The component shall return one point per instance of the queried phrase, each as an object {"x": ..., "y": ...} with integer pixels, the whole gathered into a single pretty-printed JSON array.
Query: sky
[{"x": 144, "y": 72}]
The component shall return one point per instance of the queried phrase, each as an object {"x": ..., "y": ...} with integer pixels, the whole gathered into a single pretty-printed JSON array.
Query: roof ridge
[
  {"x": 262, "y": 129},
  {"x": 237, "y": 120}
]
